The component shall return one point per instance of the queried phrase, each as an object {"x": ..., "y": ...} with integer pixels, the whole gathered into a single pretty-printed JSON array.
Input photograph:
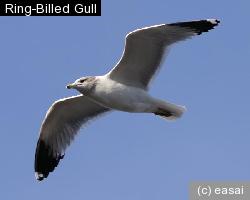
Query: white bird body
[
  {"x": 124, "y": 88},
  {"x": 119, "y": 96}
]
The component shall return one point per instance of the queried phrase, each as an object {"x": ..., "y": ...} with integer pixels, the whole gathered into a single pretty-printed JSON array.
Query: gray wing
[
  {"x": 144, "y": 49},
  {"x": 63, "y": 119}
]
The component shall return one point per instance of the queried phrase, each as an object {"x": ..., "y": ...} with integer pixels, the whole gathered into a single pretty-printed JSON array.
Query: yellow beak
[{"x": 70, "y": 86}]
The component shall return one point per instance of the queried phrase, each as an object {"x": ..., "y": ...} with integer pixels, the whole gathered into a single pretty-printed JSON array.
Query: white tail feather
[{"x": 168, "y": 110}]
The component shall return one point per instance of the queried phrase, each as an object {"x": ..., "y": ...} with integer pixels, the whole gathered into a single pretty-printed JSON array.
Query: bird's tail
[{"x": 168, "y": 110}]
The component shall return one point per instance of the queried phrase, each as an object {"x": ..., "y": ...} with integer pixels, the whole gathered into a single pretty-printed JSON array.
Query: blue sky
[{"x": 127, "y": 156}]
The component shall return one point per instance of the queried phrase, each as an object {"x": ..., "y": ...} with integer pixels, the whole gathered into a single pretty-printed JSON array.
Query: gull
[{"x": 124, "y": 88}]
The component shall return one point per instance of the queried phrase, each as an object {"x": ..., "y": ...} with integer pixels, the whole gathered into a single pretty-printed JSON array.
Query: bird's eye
[{"x": 81, "y": 81}]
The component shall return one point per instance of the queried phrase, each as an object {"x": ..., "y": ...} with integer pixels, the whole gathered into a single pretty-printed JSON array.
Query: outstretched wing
[
  {"x": 63, "y": 119},
  {"x": 144, "y": 49}
]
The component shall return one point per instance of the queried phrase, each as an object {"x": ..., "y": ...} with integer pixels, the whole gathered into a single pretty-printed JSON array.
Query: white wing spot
[{"x": 213, "y": 21}]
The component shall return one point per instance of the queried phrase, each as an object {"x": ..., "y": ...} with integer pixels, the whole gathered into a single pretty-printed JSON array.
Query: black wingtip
[
  {"x": 198, "y": 26},
  {"x": 45, "y": 161}
]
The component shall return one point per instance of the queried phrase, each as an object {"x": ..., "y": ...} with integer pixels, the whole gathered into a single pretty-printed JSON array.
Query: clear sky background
[{"x": 127, "y": 156}]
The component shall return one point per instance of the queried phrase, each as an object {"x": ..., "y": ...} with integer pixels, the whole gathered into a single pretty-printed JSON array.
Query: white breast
[{"x": 121, "y": 97}]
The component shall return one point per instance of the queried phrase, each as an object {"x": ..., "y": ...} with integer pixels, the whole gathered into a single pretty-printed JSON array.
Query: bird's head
[{"x": 84, "y": 85}]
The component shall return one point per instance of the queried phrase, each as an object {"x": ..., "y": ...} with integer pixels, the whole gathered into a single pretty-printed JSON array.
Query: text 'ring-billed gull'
[{"x": 124, "y": 88}]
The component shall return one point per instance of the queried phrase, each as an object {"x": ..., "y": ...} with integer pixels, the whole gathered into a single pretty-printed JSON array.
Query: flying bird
[{"x": 124, "y": 88}]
